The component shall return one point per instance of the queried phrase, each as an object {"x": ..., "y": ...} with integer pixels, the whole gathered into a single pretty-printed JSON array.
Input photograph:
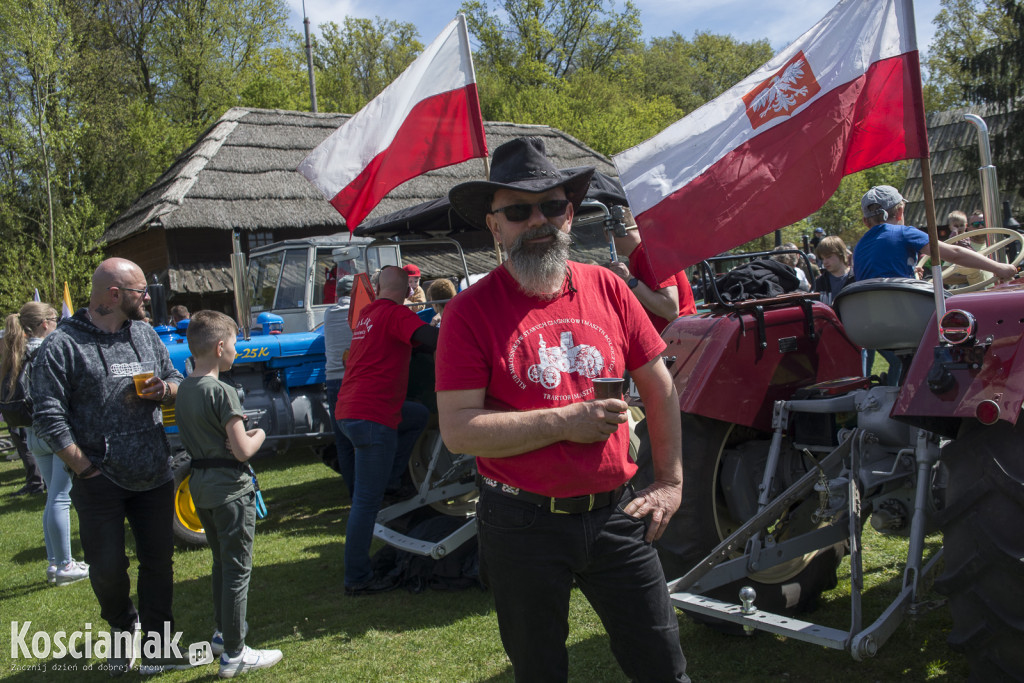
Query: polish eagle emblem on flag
[{"x": 782, "y": 93}]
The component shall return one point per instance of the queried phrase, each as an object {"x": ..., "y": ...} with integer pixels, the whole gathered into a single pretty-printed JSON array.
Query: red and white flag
[
  {"x": 429, "y": 117},
  {"x": 771, "y": 150}
]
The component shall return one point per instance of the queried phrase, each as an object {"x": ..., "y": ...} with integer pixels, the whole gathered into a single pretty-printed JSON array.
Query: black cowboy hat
[{"x": 521, "y": 164}]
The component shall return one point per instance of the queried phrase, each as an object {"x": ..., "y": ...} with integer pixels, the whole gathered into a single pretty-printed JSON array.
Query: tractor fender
[
  {"x": 722, "y": 371},
  {"x": 999, "y": 377}
]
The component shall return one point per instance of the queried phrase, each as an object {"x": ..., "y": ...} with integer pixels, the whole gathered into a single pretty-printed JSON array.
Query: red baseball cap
[{"x": 412, "y": 270}]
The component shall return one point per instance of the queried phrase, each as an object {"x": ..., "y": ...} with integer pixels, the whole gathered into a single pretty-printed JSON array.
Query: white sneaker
[
  {"x": 71, "y": 572},
  {"x": 217, "y": 643},
  {"x": 121, "y": 662},
  {"x": 248, "y": 660},
  {"x": 51, "y": 574}
]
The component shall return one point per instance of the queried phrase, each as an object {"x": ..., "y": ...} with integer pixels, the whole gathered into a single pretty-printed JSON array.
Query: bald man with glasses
[{"x": 112, "y": 441}]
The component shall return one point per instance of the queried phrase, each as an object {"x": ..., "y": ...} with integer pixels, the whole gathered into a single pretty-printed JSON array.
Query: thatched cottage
[{"x": 241, "y": 174}]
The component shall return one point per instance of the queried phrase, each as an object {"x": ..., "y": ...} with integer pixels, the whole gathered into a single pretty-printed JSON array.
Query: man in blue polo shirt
[{"x": 889, "y": 248}]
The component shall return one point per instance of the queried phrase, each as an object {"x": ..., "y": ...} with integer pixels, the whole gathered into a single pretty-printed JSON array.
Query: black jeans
[
  {"x": 102, "y": 508},
  {"x": 530, "y": 558}
]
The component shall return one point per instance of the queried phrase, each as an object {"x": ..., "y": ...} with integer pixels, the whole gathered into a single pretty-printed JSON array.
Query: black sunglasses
[
  {"x": 143, "y": 291},
  {"x": 550, "y": 208},
  {"x": 977, "y": 224}
]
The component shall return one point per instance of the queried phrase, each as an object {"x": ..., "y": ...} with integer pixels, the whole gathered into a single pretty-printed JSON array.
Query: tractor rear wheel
[
  {"x": 187, "y": 527},
  {"x": 981, "y": 523},
  {"x": 704, "y": 518},
  {"x": 450, "y": 468}
]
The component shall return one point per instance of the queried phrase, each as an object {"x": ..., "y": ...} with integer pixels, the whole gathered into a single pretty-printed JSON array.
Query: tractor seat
[{"x": 887, "y": 313}]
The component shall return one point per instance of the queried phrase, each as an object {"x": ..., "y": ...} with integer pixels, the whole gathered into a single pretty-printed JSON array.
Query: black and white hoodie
[{"x": 83, "y": 393}]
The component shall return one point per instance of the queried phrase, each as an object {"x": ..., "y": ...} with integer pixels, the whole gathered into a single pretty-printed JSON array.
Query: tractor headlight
[{"x": 958, "y": 327}]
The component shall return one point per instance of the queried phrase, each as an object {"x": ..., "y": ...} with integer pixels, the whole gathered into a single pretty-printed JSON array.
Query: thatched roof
[
  {"x": 953, "y": 144},
  {"x": 241, "y": 174},
  {"x": 200, "y": 278}
]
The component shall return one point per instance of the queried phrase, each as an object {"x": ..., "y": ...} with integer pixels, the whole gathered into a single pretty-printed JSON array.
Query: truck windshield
[
  {"x": 292, "y": 291},
  {"x": 264, "y": 272},
  {"x": 278, "y": 280}
]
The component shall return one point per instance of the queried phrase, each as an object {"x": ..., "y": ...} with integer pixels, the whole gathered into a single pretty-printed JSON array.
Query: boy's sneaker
[
  {"x": 51, "y": 574},
  {"x": 70, "y": 573},
  {"x": 217, "y": 643},
  {"x": 248, "y": 660},
  {"x": 120, "y": 665}
]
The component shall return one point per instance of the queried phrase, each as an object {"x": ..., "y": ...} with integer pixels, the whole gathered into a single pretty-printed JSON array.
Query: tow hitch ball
[{"x": 747, "y": 597}]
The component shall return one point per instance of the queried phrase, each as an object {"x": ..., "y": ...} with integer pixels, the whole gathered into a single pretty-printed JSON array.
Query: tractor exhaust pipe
[
  {"x": 987, "y": 175},
  {"x": 240, "y": 283}
]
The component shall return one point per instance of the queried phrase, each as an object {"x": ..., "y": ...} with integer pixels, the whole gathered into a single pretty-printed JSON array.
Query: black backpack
[{"x": 17, "y": 408}]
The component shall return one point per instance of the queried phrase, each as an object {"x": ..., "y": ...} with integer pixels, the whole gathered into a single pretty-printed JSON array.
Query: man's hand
[
  {"x": 620, "y": 269},
  {"x": 592, "y": 421},
  {"x": 154, "y": 389},
  {"x": 1004, "y": 271},
  {"x": 660, "y": 501}
]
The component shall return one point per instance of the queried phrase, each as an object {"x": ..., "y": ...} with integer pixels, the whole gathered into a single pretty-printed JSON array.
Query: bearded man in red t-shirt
[
  {"x": 379, "y": 426},
  {"x": 516, "y": 361}
]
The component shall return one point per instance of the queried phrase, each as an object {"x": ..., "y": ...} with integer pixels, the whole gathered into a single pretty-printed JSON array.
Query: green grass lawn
[{"x": 297, "y": 604}]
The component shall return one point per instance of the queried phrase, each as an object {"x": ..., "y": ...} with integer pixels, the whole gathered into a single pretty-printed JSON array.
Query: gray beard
[{"x": 540, "y": 268}]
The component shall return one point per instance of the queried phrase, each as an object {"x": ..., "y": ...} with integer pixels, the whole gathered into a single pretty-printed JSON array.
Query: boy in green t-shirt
[{"x": 209, "y": 417}]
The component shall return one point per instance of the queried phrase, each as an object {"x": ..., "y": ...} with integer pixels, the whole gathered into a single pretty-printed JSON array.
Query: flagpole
[
  {"x": 472, "y": 70},
  {"x": 928, "y": 186},
  {"x": 487, "y": 176},
  {"x": 933, "y": 237}
]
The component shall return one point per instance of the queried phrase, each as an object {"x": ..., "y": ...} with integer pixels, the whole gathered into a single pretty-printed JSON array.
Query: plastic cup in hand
[
  {"x": 145, "y": 370},
  {"x": 608, "y": 387}
]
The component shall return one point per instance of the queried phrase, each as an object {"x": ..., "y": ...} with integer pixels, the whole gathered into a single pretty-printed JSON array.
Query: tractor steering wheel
[{"x": 971, "y": 274}]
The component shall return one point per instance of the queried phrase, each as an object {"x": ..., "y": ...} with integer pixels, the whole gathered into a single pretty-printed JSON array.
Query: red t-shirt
[
  {"x": 640, "y": 266},
  {"x": 377, "y": 369},
  {"x": 532, "y": 353},
  {"x": 687, "y": 304}
]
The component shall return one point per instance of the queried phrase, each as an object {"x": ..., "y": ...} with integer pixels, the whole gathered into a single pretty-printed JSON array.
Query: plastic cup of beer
[
  {"x": 607, "y": 387},
  {"x": 144, "y": 371}
]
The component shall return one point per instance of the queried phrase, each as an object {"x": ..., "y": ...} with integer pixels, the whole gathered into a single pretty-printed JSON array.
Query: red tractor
[{"x": 788, "y": 449}]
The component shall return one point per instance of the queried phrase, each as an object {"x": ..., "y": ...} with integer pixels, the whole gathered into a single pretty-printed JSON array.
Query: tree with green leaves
[
  {"x": 537, "y": 42},
  {"x": 207, "y": 51},
  {"x": 963, "y": 28},
  {"x": 692, "y": 72},
  {"x": 357, "y": 60},
  {"x": 45, "y": 218},
  {"x": 996, "y": 75}
]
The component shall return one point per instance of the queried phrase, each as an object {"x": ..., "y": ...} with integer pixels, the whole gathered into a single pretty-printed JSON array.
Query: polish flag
[
  {"x": 771, "y": 150},
  {"x": 428, "y": 118}
]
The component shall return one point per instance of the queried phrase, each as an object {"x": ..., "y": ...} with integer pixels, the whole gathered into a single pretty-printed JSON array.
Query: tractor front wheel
[
  {"x": 187, "y": 527},
  {"x": 981, "y": 524},
  {"x": 704, "y": 517}
]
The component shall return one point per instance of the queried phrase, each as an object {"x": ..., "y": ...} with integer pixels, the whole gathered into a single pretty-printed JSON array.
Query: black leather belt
[{"x": 568, "y": 506}]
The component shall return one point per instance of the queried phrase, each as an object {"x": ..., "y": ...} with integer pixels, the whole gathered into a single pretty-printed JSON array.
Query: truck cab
[{"x": 294, "y": 279}]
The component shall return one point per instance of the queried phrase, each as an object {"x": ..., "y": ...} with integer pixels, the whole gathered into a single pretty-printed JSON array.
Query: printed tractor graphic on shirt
[{"x": 583, "y": 359}]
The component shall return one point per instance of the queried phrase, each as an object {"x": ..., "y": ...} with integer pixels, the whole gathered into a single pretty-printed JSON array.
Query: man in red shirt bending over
[
  {"x": 518, "y": 352},
  {"x": 380, "y": 426},
  {"x": 664, "y": 300}
]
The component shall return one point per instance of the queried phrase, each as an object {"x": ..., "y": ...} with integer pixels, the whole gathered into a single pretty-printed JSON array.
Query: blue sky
[{"x": 780, "y": 21}]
